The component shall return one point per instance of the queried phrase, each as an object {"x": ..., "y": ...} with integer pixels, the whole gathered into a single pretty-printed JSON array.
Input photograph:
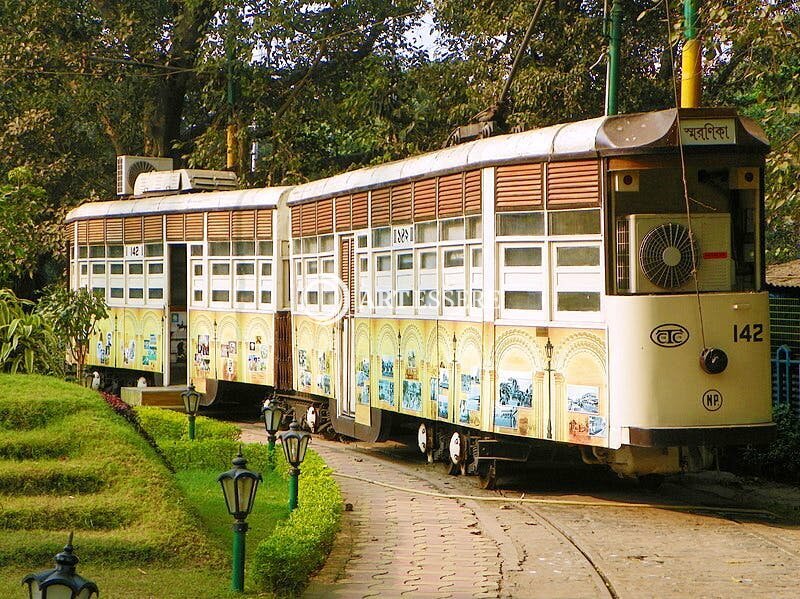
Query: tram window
[
  {"x": 265, "y": 248},
  {"x": 405, "y": 298},
  {"x": 83, "y": 251},
  {"x": 245, "y": 296},
  {"x": 198, "y": 296},
  {"x": 363, "y": 298},
  {"x": 575, "y": 222},
  {"x": 383, "y": 263},
  {"x": 310, "y": 245},
  {"x": 99, "y": 269},
  {"x": 578, "y": 301},
  {"x": 266, "y": 297},
  {"x": 477, "y": 298},
  {"x": 220, "y": 268},
  {"x": 296, "y": 246},
  {"x": 97, "y": 251},
  {"x": 116, "y": 251},
  {"x": 362, "y": 241},
  {"x": 474, "y": 229},
  {"x": 327, "y": 266},
  {"x": 266, "y": 269},
  {"x": 244, "y": 248},
  {"x": 84, "y": 269},
  {"x": 383, "y": 298},
  {"x": 197, "y": 250},
  {"x": 312, "y": 267},
  {"x": 522, "y": 300},
  {"x": 152, "y": 250},
  {"x": 116, "y": 268},
  {"x": 578, "y": 256},
  {"x": 520, "y": 224},
  {"x": 135, "y": 268},
  {"x": 245, "y": 268},
  {"x": 428, "y": 298},
  {"x": 220, "y": 295},
  {"x": 313, "y": 298},
  {"x": 405, "y": 261},
  {"x": 452, "y": 230},
  {"x": 116, "y": 292},
  {"x": 382, "y": 237},
  {"x": 198, "y": 270},
  {"x": 522, "y": 256},
  {"x": 136, "y": 293},
  {"x": 427, "y": 260},
  {"x": 155, "y": 293},
  {"x": 219, "y": 248},
  {"x": 326, "y": 243},
  {"x": 426, "y": 232},
  {"x": 454, "y": 258},
  {"x": 99, "y": 291},
  {"x": 155, "y": 268},
  {"x": 477, "y": 257},
  {"x": 328, "y": 297},
  {"x": 453, "y": 298}
]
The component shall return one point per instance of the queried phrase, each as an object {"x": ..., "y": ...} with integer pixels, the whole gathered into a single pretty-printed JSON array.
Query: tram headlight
[{"x": 713, "y": 360}]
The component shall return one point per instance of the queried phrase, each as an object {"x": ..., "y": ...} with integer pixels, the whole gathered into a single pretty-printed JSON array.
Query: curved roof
[{"x": 242, "y": 199}]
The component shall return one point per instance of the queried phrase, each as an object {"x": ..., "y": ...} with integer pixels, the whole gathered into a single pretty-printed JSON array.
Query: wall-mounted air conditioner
[
  {"x": 130, "y": 167},
  {"x": 660, "y": 252}
]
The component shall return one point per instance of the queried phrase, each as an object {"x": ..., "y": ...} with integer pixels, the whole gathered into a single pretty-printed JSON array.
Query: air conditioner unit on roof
[
  {"x": 130, "y": 167},
  {"x": 200, "y": 180}
]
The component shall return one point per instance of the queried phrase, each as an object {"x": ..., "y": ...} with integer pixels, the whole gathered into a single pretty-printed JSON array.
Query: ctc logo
[
  {"x": 669, "y": 335},
  {"x": 712, "y": 400}
]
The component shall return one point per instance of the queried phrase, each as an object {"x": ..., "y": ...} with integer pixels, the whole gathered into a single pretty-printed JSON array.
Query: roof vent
[{"x": 184, "y": 181}]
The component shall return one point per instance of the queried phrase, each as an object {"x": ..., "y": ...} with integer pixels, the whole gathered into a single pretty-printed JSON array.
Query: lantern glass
[
  {"x": 246, "y": 492},
  {"x": 239, "y": 487},
  {"x": 58, "y": 592},
  {"x": 291, "y": 446},
  {"x": 191, "y": 400},
  {"x": 295, "y": 444},
  {"x": 229, "y": 491},
  {"x": 273, "y": 415}
]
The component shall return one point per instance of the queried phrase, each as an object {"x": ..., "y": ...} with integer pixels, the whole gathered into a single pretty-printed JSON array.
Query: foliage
[
  {"x": 297, "y": 548},
  {"x": 167, "y": 425},
  {"x": 780, "y": 459},
  {"x": 27, "y": 341},
  {"x": 74, "y": 315}
]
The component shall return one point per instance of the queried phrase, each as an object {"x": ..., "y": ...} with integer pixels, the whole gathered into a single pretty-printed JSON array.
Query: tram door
[
  {"x": 177, "y": 315},
  {"x": 346, "y": 399}
]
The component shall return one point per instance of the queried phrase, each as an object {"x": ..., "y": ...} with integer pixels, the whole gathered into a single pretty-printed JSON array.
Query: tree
[
  {"x": 74, "y": 316},
  {"x": 27, "y": 341}
]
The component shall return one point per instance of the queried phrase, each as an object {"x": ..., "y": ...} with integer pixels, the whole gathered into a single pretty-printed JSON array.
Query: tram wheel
[
  {"x": 457, "y": 454},
  {"x": 487, "y": 475},
  {"x": 650, "y": 482}
]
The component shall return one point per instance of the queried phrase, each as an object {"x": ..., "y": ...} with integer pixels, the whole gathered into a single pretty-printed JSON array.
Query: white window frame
[{"x": 580, "y": 279}]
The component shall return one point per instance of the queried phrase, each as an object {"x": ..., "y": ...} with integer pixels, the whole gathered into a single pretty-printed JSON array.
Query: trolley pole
[
  {"x": 691, "y": 59},
  {"x": 612, "y": 70}
]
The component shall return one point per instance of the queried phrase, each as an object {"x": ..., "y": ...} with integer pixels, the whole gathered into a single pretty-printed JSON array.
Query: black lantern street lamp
[
  {"x": 272, "y": 412},
  {"x": 295, "y": 443},
  {"x": 191, "y": 403},
  {"x": 239, "y": 486},
  {"x": 62, "y": 582}
]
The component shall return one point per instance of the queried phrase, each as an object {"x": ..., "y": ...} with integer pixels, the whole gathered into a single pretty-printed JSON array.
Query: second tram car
[{"x": 597, "y": 284}]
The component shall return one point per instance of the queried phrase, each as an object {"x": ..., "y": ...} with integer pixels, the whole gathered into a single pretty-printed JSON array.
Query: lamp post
[
  {"x": 295, "y": 443},
  {"x": 239, "y": 487},
  {"x": 63, "y": 581},
  {"x": 191, "y": 403},
  {"x": 272, "y": 412}
]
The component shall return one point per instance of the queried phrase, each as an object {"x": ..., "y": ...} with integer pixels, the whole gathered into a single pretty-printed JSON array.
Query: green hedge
[
  {"x": 212, "y": 454},
  {"x": 166, "y": 425},
  {"x": 298, "y": 546}
]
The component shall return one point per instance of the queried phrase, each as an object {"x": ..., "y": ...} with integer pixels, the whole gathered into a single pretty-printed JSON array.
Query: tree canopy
[{"x": 327, "y": 86}]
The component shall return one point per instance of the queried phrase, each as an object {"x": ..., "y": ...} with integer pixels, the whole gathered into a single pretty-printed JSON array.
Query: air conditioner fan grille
[{"x": 665, "y": 255}]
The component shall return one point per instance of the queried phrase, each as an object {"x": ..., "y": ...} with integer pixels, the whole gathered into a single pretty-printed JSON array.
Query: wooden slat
[
  {"x": 346, "y": 270},
  {"x": 573, "y": 184},
  {"x": 132, "y": 229},
  {"x": 83, "y": 233},
  {"x": 450, "y": 195},
  {"x": 175, "y": 227},
  {"x": 472, "y": 192},
  {"x": 325, "y": 216},
  {"x": 243, "y": 224},
  {"x": 360, "y": 211},
  {"x": 264, "y": 224},
  {"x": 114, "y": 230},
  {"x": 344, "y": 221},
  {"x": 69, "y": 234},
  {"x": 401, "y": 204},
  {"x": 425, "y": 200},
  {"x": 96, "y": 231},
  {"x": 379, "y": 207},
  {"x": 194, "y": 227},
  {"x": 219, "y": 226},
  {"x": 518, "y": 187},
  {"x": 154, "y": 228},
  {"x": 309, "y": 219},
  {"x": 297, "y": 224}
]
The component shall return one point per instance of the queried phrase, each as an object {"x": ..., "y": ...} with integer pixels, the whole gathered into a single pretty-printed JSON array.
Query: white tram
[{"x": 597, "y": 283}]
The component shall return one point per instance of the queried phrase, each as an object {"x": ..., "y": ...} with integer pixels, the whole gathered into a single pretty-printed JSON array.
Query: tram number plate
[{"x": 748, "y": 332}]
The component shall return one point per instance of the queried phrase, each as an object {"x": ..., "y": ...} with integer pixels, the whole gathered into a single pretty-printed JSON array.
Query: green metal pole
[
  {"x": 294, "y": 475},
  {"x": 691, "y": 61},
  {"x": 191, "y": 427},
  {"x": 612, "y": 71},
  {"x": 237, "y": 578},
  {"x": 271, "y": 451}
]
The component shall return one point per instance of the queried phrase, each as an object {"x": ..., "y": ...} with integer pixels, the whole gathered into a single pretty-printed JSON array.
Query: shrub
[
  {"x": 212, "y": 454},
  {"x": 27, "y": 341},
  {"x": 298, "y": 546},
  {"x": 780, "y": 459},
  {"x": 166, "y": 425}
]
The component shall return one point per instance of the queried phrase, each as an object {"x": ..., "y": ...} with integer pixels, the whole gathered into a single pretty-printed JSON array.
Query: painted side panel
[{"x": 130, "y": 338}]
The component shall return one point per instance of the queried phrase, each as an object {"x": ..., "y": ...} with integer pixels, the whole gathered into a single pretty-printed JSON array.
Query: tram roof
[
  {"x": 615, "y": 135},
  {"x": 240, "y": 199}
]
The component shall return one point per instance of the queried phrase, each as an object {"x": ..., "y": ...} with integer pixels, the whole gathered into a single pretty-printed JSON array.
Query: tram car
[{"x": 598, "y": 284}]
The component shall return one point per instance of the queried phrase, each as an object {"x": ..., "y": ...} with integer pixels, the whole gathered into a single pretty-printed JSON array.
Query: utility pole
[
  {"x": 612, "y": 70},
  {"x": 691, "y": 59}
]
